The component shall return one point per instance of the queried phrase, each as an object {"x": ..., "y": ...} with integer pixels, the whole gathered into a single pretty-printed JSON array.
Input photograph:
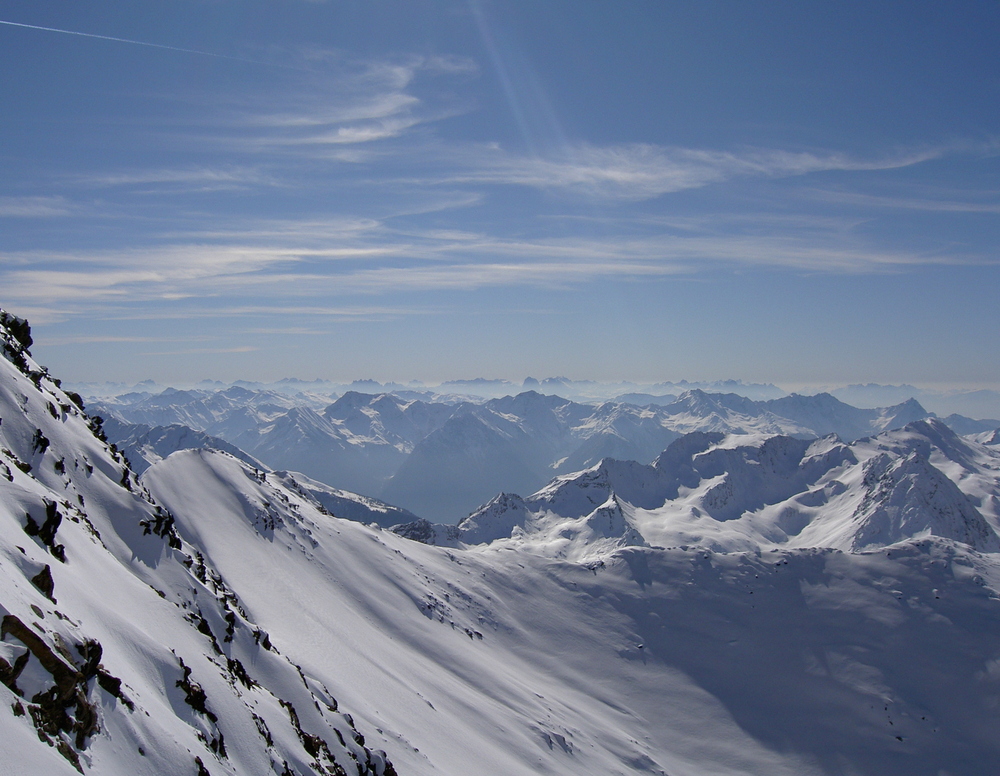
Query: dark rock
[
  {"x": 194, "y": 694},
  {"x": 44, "y": 582}
]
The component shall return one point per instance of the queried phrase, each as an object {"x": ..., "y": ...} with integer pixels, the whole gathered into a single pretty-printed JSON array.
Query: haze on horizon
[{"x": 801, "y": 194}]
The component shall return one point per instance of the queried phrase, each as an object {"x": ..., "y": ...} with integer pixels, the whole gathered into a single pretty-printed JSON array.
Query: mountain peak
[
  {"x": 15, "y": 328},
  {"x": 494, "y": 520},
  {"x": 907, "y": 497},
  {"x": 15, "y": 340}
]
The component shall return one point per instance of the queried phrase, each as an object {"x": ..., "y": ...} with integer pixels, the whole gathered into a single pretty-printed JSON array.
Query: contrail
[{"x": 145, "y": 43}]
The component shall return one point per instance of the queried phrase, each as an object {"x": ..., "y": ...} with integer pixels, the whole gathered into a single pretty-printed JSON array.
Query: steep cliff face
[{"x": 123, "y": 651}]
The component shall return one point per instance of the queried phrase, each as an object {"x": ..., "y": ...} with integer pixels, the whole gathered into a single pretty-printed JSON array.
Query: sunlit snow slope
[
  {"x": 679, "y": 661},
  {"x": 123, "y": 651}
]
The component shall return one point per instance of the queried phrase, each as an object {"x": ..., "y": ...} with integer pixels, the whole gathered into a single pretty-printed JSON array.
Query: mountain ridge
[{"x": 737, "y": 494}]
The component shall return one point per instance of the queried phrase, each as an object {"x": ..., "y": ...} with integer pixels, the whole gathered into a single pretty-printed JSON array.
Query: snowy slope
[
  {"x": 122, "y": 651},
  {"x": 641, "y": 660},
  {"x": 644, "y": 660}
]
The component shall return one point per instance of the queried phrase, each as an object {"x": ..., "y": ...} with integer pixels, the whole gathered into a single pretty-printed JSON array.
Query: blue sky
[{"x": 802, "y": 193}]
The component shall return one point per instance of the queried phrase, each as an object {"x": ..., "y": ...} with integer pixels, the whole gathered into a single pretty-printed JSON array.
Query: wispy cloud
[
  {"x": 312, "y": 268},
  {"x": 927, "y": 204},
  {"x": 174, "y": 272},
  {"x": 34, "y": 207},
  {"x": 358, "y": 104},
  {"x": 644, "y": 171},
  {"x": 184, "y": 179}
]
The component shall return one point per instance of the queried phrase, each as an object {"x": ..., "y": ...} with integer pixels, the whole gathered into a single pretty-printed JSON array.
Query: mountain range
[
  {"x": 443, "y": 458},
  {"x": 731, "y": 494},
  {"x": 971, "y": 402},
  {"x": 745, "y": 604}
]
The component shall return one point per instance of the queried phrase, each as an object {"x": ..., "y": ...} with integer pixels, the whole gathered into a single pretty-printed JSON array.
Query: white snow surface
[
  {"x": 594, "y": 649},
  {"x": 142, "y": 655},
  {"x": 679, "y": 661}
]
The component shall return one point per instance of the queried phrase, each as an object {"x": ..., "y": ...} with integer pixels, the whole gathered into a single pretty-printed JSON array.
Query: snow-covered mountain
[
  {"x": 143, "y": 445},
  {"x": 123, "y": 651},
  {"x": 444, "y": 458},
  {"x": 244, "y": 630},
  {"x": 731, "y": 493}
]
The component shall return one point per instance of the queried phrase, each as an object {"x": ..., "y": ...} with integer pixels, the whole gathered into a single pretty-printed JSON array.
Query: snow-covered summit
[{"x": 738, "y": 493}]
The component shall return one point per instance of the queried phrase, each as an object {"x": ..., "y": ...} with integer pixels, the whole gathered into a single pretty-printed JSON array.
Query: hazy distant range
[{"x": 440, "y": 452}]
